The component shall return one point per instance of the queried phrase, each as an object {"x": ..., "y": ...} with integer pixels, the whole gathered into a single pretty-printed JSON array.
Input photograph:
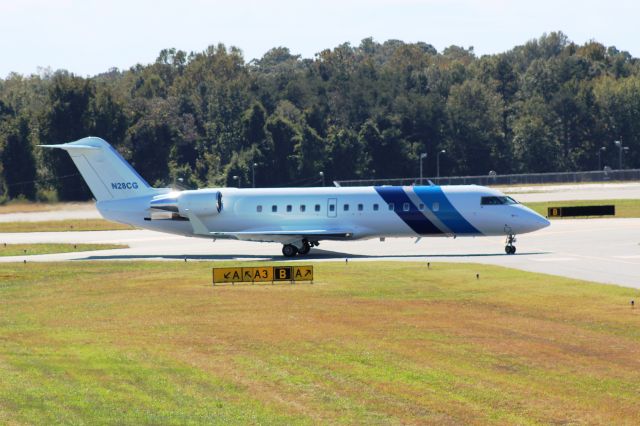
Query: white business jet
[{"x": 298, "y": 218}]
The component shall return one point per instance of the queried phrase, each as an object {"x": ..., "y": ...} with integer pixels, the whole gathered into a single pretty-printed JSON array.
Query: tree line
[{"x": 211, "y": 118}]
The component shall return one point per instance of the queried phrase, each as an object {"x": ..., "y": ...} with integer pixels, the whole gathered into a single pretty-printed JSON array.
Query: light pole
[
  {"x": 422, "y": 157},
  {"x": 438, "y": 164},
  {"x": 253, "y": 174},
  {"x": 176, "y": 180},
  {"x": 237, "y": 179},
  {"x": 600, "y": 151},
  {"x": 620, "y": 149},
  {"x": 322, "y": 176}
]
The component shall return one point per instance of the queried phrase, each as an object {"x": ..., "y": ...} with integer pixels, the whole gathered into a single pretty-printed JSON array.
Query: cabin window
[
  {"x": 346, "y": 207},
  {"x": 259, "y": 209},
  {"x": 405, "y": 207},
  {"x": 274, "y": 208},
  {"x": 289, "y": 208},
  {"x": 332, "y": 207},
  {"x": 303, "y": 208},
  {"x": 421, "y": 207},
  {"x": 375, "y": 207},
  {"x": 391, "y": 207},
  {"x": 317, "y": 207},
  {"x": 360, "y": 207},
  {"x": 435, "y": 207}
]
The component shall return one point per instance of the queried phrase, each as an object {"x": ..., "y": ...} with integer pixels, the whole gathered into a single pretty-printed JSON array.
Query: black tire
[
  {"x": 507, "y": 249},
  {"x": 305, "y": 249},
  {"x": 513, "y": 249},
  {"x": 289, "y": 250}
]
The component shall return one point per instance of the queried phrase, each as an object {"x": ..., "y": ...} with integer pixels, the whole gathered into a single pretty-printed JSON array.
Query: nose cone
[
  {"x": 526, "y": 220},
  {"x": 540, "y": 221}
]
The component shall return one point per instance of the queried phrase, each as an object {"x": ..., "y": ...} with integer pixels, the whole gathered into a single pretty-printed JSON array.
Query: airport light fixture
[
  {"x": 600, "y": 151},
  {"x": 322, "y": 176},
  {"x": 422, "y": 157},
  {"x": 237, "y": 179},
  {"x": 438, "y": 163}
]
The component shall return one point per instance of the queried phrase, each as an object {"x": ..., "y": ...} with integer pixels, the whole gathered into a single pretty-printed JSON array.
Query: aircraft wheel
[
  {"x": 513, "y": 249},
  {"x": 289, "y": 250},
  {"x": 510, "y": 249},
  {"x": 305, "y": 249}
]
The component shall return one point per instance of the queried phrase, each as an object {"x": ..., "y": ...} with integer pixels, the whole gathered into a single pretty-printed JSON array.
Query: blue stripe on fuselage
[
  {"x": 446, "y": 212},
  {"x": 414, "y": 218}
]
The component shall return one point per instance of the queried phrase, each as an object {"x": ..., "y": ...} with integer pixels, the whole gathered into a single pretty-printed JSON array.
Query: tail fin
[{"x": 108, "y": 175}]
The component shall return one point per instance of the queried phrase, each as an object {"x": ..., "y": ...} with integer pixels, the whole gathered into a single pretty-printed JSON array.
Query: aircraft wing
[
  {"x": 321, "y": 233},
  {"x": 275, "y": 234}
]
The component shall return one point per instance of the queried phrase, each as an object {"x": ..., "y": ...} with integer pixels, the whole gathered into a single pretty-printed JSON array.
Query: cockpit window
[{"x": 493, "y": 201}]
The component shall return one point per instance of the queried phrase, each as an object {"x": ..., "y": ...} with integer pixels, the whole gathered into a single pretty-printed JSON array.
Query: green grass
[
  {"x": 367, "y": 343},
  {"x": 47, "y": 248},
  {"x": 624, "y": 208},
  {"x": 62, "y": 225}
]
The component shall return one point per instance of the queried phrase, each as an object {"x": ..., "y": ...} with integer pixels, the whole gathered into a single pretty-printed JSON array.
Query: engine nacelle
[
  {"x": 201, "y": 204},
  {"x": 197, "y": 202}
]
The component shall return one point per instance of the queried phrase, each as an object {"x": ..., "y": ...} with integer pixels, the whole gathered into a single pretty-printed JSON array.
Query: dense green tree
[
  {"x": 18, "y": 161},
  {"x": 347, "y": 157},
  {"x": 253, "y": 122},
  {"x": 351, "y": 112},
  {"x": 148, "y": 142},
  {"x": 68, "y": 119},
  {"x": 284, "y": 135},
  {"x": 535, "y": 142},
  {"x": 310, "y": 153},
  {"x": 619, "y": 103},
  {"x": 371, "y": 137},
  {"x": 475, "y": 119}
]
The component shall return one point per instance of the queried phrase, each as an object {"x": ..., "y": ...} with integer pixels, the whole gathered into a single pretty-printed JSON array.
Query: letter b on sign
[{"x": 282, "y": 273}]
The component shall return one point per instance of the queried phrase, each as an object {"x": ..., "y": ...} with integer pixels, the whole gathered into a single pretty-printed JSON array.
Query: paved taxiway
[{"x": 602, "y": 250}]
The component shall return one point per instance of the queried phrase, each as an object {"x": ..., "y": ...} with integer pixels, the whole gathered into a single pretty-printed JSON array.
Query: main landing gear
[
  {"x": 510, "y": 248},
  {"x": 290, "y": 250}
]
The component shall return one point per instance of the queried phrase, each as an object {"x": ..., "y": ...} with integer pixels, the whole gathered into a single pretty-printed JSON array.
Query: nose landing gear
[{"x": 510, "y": 248}]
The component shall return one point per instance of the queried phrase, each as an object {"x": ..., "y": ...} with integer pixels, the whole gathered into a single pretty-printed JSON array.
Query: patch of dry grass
[
  {"x": 48, "y": 248},
  {"x": 366, "y": 343},
  {"x": 63, "y": 225},
  {"x": 30, "y": 207}
]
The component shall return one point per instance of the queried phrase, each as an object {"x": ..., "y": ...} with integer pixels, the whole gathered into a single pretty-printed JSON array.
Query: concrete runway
[{"x": 601, "y": 250}]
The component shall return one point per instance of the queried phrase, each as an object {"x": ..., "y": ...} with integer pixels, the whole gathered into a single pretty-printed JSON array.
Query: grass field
[
  {"x": 367, "y": 343},
  {"x": 624, "y": 208},
  {"x": 47, "y": 248},
  {"x": 62, "y": 225},
  {"x": 31, "y": 207}
]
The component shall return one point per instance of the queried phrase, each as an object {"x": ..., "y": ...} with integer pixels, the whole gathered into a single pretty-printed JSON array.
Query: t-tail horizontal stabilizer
[{"x": 107, "y": 174}]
